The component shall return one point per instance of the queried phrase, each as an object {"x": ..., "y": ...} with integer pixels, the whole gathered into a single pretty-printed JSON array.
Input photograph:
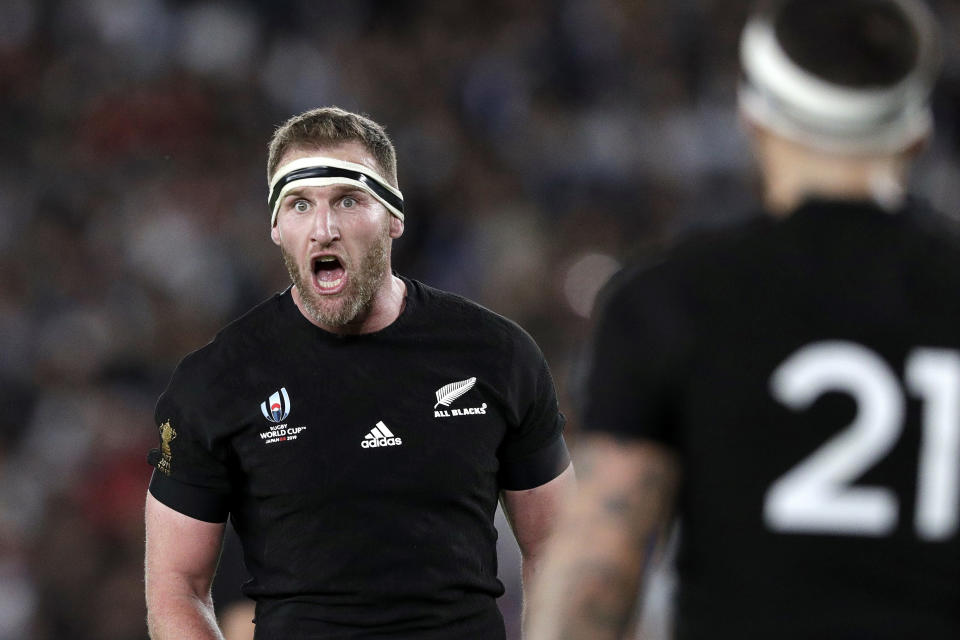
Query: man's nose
[{"x": 325, "y": 227}]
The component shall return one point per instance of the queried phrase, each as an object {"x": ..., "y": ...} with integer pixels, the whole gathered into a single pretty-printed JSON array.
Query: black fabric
[
  {"x": 197, "y": 502},
  {"x": 288, "y": 618},
  {"x": 537, "y": 468},
  {"x": 685, "y": 354},
  {"x": 389, "y": 537}
]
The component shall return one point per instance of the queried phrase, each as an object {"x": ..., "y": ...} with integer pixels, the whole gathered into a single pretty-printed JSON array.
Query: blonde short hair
[{"x": 328, "y": 126}]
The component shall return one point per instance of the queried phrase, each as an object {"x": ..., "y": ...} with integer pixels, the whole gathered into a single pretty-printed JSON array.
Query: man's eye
[
  {"x": 348, "y": 202},
  {"x": 301, "y": 206}
]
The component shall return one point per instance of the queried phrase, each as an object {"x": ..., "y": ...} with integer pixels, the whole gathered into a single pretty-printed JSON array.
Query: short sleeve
[
  {"x": 634, "y": 362},
  {"x": 533, "y": 451},
  {"x": 190, "y": 472}
]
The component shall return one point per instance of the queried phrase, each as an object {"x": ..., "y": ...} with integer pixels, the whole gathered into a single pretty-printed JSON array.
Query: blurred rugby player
[{"x": 788, "y": 387}]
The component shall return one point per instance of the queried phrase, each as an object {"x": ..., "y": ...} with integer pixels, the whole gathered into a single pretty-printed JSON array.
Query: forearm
[
  {"x": 174, "y": 614},
  {"x": 589, "y": 588},
  {"x": 589, "y": 579}
]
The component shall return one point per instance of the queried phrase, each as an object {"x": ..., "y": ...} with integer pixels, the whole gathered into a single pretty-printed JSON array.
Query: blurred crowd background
[{"x": 541, "y": 144}]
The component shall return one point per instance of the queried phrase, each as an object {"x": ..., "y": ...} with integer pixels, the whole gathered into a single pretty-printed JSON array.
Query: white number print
[
  {"x": 816, "y": 495},
  {"x": 934, "y": 375}
]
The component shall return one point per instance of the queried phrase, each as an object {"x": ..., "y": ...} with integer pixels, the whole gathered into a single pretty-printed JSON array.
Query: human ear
[{"x": 396, "y": 227}]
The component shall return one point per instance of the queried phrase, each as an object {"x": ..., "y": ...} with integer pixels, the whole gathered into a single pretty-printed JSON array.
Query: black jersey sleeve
[
  {"x": 533, "y": 451},
  {"x": 190, "y": 470},
  {"x": 635, "y": 360}
]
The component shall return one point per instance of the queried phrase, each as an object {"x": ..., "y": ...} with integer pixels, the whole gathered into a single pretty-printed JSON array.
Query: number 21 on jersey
[{"x": 816, "y": 495}]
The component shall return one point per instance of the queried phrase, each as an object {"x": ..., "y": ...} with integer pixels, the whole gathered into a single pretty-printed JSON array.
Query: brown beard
[{"x": 356, "y": 300}]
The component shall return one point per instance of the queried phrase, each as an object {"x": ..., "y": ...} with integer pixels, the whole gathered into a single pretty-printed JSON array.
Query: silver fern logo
[{"x": 450, "y": 392}]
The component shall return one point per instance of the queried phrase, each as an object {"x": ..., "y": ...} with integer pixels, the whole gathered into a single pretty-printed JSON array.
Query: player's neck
[
  {"x": 387, "y": 305},
  {"x": 793, "y": 174}
]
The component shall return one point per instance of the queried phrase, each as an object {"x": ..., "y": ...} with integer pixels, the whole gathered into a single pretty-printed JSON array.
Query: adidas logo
[{"x": 380, "y": 436}]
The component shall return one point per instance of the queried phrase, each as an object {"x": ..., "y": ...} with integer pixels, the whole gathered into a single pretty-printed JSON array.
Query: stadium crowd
[{"x": 542, "y": 143}]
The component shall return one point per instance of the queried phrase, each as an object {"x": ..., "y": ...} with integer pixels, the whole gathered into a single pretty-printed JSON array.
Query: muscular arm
[
  {"x": 181, "y": 559},
  {"x": 589, "y": 579},
  {"x": 533, "y": 515}
]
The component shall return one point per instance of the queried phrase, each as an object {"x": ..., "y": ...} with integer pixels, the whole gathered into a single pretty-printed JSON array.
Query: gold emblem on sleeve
[{"x": 167, "y": 433}]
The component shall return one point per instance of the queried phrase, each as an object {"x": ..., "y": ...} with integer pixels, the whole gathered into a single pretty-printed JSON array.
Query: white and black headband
[
  {"x": 780, "y": 94},
  {"x": 321, "y": 171}
]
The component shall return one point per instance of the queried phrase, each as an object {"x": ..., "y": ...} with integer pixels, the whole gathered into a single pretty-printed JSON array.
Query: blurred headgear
[{"x": 846, "y": 76}]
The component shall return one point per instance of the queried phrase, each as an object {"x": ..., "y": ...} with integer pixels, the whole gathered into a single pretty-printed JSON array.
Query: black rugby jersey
[
  {"x": 362, "y": 473},
  {"x": 807, "y": 372}
]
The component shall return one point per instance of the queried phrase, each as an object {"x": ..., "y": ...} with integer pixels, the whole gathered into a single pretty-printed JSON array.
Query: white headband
[
  {"x": 797, "y": 104},
  {"x": 320, "y": 171}
]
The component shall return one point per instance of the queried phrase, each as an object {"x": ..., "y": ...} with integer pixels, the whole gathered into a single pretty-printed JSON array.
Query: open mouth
[{"x": 329, "y": 275}]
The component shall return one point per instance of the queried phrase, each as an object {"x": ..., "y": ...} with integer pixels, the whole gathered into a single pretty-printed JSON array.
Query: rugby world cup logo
[{"x": 277, "y": 406}]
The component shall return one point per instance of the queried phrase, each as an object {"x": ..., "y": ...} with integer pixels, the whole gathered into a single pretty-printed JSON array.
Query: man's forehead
[
  {"x": 314, "y": 190},
  {"x": 352, "y": 151}
]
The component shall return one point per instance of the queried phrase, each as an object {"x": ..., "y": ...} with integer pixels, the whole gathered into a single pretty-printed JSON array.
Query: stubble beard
[{"x": 355, "y": 301}]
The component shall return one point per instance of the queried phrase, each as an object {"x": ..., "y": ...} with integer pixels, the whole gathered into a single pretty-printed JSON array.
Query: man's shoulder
[
  {"x": 710, "y": 258},
  {"x": 454, "y": 319},
  {"x": 446, "y": 306},
  {"x": 694, "y": 255},
  {"x": 263, "y": 315},
  {"x": 251, "y": 332}
]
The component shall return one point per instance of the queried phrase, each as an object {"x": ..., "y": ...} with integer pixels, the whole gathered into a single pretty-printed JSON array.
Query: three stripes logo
[
  {"x": 277, "y": 406},
  {"x": 380, "y": 436}
]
